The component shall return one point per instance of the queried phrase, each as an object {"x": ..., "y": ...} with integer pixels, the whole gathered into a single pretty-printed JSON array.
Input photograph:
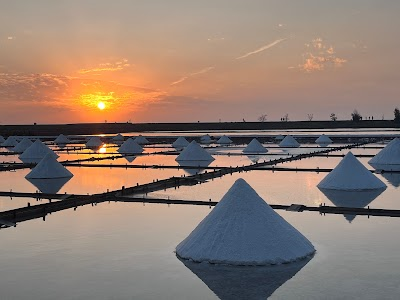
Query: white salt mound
[
  {"x": 205, "y": 139},
  {"x": 323, "y": 140},
  {"x": 10, "y": 142},
  {"x": 49, "y": 167},
  {"x": 94, "y": 142},
  {"x": 350, "y": 174},
  {"x": 141, "y": 140},
  {"x": 118, "y": 138},
  {"x": 194, "y": 152},
  {"x": 180, "y": 143},
  {"x": 130, "y": 147},
  {"x": 388, "y": 158},
  {"x": 22, "y": 145},
  {"x": 224, "y": 140},
  {"x": 289, "y": 142},
  {"x": 36, "y": 152},
  {"x": 244, "y": 230},
  {"x": 254, "y": 147},
  {"x": 62, "y": 140}
]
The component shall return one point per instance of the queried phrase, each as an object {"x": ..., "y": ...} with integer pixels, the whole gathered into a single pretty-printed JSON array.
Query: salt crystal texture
[
  {"x": 194, "y": 152},
  {"x": 130, "y": 147},
  {"x": 289, "y": 142},
  {"x": 388, "y": 158},
  {"x": 350, "y": 174},
  {"x": 244, "y": 230},
  {"x": 49, "y": 167},
  {"x": 255, "y": 147}
]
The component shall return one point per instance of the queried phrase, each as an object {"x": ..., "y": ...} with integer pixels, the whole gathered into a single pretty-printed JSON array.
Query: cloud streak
[
  {"x": 202, "y": 71},
  {"x": 263, "y": 48},
  {"x": 107, "y": 67}
]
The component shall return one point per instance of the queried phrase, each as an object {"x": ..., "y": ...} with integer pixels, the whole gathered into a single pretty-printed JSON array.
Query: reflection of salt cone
[
  {"x": 49, "y": 185},
  {"x": 130, "y": 158},
  {"x": 392, "y": 178},
  {"x": 256, "y": 158},
  {"x": 244, "y": 282},
  {"x": 357, "y": 199},
  {"x": 201, "y": 164}
]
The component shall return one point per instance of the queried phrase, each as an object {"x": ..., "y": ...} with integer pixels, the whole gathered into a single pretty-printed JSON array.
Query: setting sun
[{"x": 101, "y": 105}]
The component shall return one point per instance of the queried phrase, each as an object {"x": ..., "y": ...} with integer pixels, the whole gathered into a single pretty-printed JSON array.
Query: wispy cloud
[
  {"x": 263, "y": 48},
  {"x": 107, "y": 67},
  {"x": 319, "y": 56},
  {"x": 202, "y": 71}
]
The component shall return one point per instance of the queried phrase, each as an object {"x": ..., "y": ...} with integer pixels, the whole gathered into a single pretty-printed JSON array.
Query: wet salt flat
[{"x": 126, "y": 250}]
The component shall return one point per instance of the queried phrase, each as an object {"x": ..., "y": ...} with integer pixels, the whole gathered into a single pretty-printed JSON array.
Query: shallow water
[{"x": 126, "y": 250}]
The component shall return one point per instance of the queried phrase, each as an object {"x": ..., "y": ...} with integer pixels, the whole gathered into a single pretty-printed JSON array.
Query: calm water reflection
[{"x": 244, "y": 282}]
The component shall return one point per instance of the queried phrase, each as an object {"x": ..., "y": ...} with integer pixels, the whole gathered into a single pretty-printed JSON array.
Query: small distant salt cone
[
  {"x": 62, "y": 140},
  {"x": 141, "y": 140},
  {"x": 255, "y": 147},
  {"x": 36, "y": 152},
  {"x": 49, "y": 167},
  {"x": 94, "y": 142},
  {"x": 22, "y": 145},
  {"x": 323, "y": 140},
  {"x": 388, "y": 158},
  {"x": 194, "y": 152},
  {"x": 10, "y": 142},
  {"x": 205, "y": 139},
  {"x": 224, "y": 140},
  {"x": 244, "y": 230},
  {"x": 350, "y": 174},
  {"x": 118, "y": 138},
  {"x": 130, "y": 147},
  {"x": 180, "y": 143},
  {"x": 289, "y": 142}
]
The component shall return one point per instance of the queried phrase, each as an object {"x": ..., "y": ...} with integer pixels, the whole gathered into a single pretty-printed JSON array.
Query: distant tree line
[{"x": 355, "y": 116}]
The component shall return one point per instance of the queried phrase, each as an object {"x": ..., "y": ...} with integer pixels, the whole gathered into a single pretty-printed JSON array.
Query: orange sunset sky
[{"x": 179, "y": 61}]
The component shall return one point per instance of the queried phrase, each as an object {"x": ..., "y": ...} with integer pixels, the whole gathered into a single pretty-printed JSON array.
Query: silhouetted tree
[
  {"x": 310, "y": 117},
  {"x": 262, "y": 118},
  {"x": 285, "y": 118},
  {"x": 397, "y": 115},
  {"x": 355, "y": 116},
  {"x": 333, "y": 117}
]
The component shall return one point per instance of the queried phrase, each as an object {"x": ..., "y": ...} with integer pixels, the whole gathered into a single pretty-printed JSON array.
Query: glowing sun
[{"x": 101, "y": 105}]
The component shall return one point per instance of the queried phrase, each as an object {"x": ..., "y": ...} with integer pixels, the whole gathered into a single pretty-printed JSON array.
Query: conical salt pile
[
  {"x": 10, "y": 142},
  {"x": 62, "y": 140},
  {"x": 49, "y": 167},
  {"x": 388, "y": 158},
  {"x": 289, "y": 142},
  {"x": 36, "y": 152},
  {"x": 94, "y": 142},
  {"x": 194, "y": 152},
  {"x": 224, "y": 140},
  {"x": 255, "y": 147},
  {"x": 323, "y": 140},
  {"x": 244, "y": 230},
  {"x": 350, "y": 174},
  {"x": 180, "y": 143},
  {"x": 130, "y": 147},
  {"x": 2, "y": 140},
  {"x": 141, "y": 140},
  {"x": 118, "y": 138},
  {"x": 205, "y": 139},
  {"x": 22, "y": 145}
]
